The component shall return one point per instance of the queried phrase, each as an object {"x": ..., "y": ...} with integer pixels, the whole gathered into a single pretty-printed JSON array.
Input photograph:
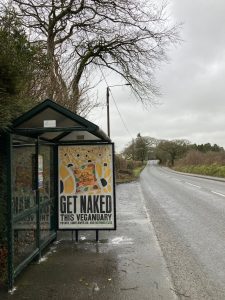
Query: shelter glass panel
[
  {"x": 23, "y": 175},
  {"x": 46, "y": 191},
  {"x": 24, "y": 238},
  {"x": 23, "y": 198}
]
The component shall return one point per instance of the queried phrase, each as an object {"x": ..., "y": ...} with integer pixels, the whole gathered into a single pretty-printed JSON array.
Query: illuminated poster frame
[{"x": 86, "y": 187}]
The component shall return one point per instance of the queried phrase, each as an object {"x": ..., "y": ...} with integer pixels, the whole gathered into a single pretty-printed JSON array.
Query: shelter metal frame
[{"x": 69, "y": 129}]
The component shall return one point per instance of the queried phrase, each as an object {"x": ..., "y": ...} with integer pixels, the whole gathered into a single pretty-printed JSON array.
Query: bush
[
  {"x": 209, "y": 163},
  {"x": 195, "y": 157},
  {"x": 124, "y": 169}
]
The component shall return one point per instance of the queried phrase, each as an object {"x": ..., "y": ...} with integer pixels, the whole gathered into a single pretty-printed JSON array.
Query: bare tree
[{"x": 129, "y": 37}]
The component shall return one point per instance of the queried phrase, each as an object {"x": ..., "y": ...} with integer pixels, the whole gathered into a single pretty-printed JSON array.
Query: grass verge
[
  {"x": 209, "y": 170},
  {"x": 129, "y": 176}
]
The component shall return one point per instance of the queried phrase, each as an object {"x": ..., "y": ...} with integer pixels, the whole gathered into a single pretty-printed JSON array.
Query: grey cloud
[{"x": 192, "y": 83}]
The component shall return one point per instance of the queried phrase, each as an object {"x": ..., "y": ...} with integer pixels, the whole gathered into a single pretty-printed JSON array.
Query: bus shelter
[{"x": 58, "y": 173}]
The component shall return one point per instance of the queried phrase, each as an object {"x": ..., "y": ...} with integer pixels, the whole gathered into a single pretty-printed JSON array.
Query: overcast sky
[{"x": 193, "y": 84}]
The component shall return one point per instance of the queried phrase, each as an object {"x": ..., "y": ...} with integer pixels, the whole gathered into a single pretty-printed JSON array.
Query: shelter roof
[{"x": 54, "y": 123}]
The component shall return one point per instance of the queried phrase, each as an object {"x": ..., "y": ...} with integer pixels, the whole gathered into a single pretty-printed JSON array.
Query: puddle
[
  {"x": 121, "y": 240},
  {"x": 57, "y": 242},
  {"x": 12, "y": 291},
  {"x": 45, "y": 257},
  {"x": 42, "y": 259},
  {"x": 96, "y": 287}
]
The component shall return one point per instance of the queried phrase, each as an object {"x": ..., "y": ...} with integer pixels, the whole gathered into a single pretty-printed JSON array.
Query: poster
[
  {"x": 40, "y": 171},
  {"x": 86, "y": 187}
]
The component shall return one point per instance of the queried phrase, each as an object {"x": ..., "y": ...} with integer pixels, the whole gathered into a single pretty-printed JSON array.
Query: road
[{"x": 188, "y": 215}]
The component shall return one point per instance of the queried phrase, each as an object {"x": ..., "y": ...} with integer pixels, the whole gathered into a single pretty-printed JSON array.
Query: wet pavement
[{"x": 124, "y": 264}]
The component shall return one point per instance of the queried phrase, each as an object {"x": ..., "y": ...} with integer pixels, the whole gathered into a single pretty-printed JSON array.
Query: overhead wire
[{"x": 120, "y": 115}]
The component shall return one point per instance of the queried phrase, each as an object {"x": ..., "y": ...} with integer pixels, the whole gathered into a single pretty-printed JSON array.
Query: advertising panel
[
  {"x": 86, "y": 187},
  {"x": 40, "y": 171}
]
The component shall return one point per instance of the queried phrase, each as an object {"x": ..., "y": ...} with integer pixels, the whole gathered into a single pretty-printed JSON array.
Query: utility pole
[{"x": 107, "y": 105}]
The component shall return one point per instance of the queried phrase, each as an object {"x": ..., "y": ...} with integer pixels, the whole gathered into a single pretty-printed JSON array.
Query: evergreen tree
[{"x": 21, "y": 65}]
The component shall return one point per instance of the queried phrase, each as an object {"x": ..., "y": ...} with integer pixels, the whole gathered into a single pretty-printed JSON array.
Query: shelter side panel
[{"x": 86, "y": 187}]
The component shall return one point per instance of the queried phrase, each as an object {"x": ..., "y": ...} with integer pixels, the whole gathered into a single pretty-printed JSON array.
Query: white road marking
[
  {"x": 197, "y": 186},
  {"x": 218, "y": 193},
  {"x": 176, "y": 179}
]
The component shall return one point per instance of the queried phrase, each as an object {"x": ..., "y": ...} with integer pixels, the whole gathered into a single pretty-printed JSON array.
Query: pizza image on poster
[{"x": 86, "y": 187}]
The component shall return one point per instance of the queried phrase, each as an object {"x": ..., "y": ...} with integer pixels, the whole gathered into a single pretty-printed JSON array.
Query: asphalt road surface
[{"x": 188, "y": 215}]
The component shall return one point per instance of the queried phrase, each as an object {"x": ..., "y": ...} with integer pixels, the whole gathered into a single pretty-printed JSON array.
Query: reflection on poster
[
  {"x": 86, "y": 187},
  {"x": 40, "y": 171}
]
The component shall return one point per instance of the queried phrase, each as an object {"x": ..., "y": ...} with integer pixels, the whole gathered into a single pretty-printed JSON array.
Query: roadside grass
[
  {"x": 125, "y": 176},
  {"x": 137, "y": 171},
  {"x": 209, "y": 170}
]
